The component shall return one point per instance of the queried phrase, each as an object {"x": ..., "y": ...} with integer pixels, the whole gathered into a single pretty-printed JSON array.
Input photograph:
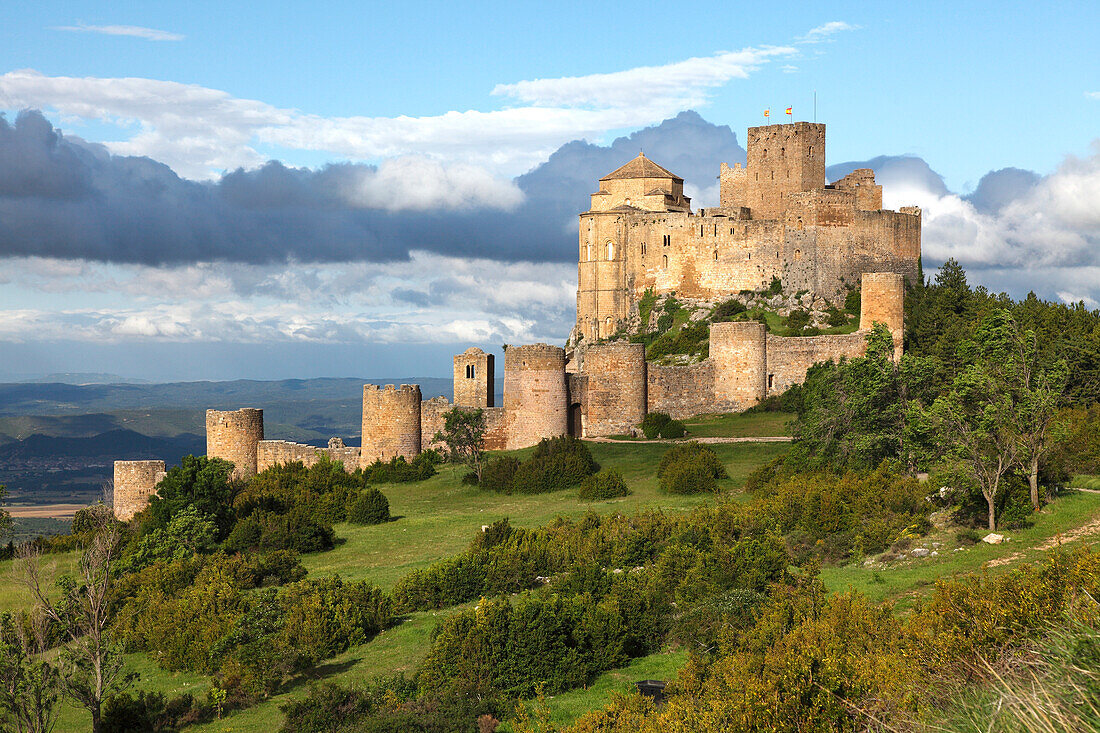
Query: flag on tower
[
  {"x": 790, "y": 111},
  {"x": 767, "y": 113}
]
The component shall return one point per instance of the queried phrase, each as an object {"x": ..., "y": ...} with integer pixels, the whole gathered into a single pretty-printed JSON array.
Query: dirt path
[
  {"x": 1071, "y": 535},
  {"x": 759, "y": 439}
]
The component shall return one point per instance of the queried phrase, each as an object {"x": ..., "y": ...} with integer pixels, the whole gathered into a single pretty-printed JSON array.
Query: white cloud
[
  {"x": 825, "y": 31},
  {"x": 677, "y": 85},
  {"x": 418, "y": 183},
  {"x": 1047, "y": 240},
  {"x": 136, "y": 31},
  {"x": 1092, "y": 95},
  {"x": 432, "y": 299},
  {"x": 201, "y": 132}
]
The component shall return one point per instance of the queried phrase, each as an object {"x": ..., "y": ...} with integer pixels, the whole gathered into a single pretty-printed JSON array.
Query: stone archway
[{"x": 576, "y": 420}]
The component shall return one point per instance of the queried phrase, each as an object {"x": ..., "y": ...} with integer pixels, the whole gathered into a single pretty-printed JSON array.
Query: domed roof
[{"x": 641, "y": 167}]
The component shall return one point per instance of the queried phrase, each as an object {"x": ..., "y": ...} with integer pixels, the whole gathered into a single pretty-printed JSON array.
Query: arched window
[
  {"x": 469, "y": 371},
  {"x": 799, "y": 227},
  {"x": 643, "y": 248},
  {"x": 782, "y": 152},
  {"x": 798, "y": 254},
  {"x": 610, "y": 251},
  {"x": 664, "y": 261},
  {"x": 715, "y": 255},
  {"x": 588, "y": 252},
  {"x": 765, "y": 155},
  {"x": 810, "y": 152}
]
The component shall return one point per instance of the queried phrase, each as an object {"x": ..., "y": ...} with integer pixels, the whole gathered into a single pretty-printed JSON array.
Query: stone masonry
[
  {"x": 135, "y": 483},
  {"x": 535, "y": 395},
  {"x": 777, "y": 218},
  {"x": 391, "y": 423},
  {"x": 235, "y": 437}
]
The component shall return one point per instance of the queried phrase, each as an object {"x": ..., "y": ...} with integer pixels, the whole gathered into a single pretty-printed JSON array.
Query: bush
[
  {"x": 151, "y": 712},
  {"x": 267, "y": 531},
  {"x": 606, "y": 484},
  {"x": 798, "y": 320},
  {"x": 836, "y": 317},
  {"x": 653, "y": 422},
  {"x": 693, "y": 451},
  {"x": 370, "y": 507},
  {"x": 497, "y": 474},
  {"x": 852, "y": 302},
  {"x": 557, "y": 463},
  {"x": 727, "y": 309},
  {"x": 775, "y": 287},
  {"x": 673, "y": 429},
  {"x": 399, "y": 471}
]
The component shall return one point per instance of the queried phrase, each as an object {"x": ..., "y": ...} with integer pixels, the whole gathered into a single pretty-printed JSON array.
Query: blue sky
[{"x": 478, "y": 93}]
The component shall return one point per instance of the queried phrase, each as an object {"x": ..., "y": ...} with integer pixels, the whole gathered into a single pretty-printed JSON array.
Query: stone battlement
[{"x": 134, "y": 485}]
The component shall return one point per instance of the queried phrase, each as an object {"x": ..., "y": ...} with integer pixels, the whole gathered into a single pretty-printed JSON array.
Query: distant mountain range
[{"x": 123, "y": 445}]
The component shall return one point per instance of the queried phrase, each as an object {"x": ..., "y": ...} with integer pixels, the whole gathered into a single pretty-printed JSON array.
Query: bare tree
[{"x": 91, "y": 663}]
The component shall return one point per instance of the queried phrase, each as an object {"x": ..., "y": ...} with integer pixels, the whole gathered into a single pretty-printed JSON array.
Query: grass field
[
  {"x": 438, "y": 518},
  {"x": 737, "y": 425}
]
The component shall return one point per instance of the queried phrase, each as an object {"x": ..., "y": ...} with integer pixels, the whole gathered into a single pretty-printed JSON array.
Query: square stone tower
[
  {"x": 474, "y": 381},
  {"x": 782, "y": 159}
]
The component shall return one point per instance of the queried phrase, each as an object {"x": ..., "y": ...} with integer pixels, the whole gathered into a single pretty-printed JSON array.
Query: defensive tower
[
  {"x": 391, "y": 422},
  {"x": 616, "y": 388},
  {"x": 135, "y": 483},
  {"x": 474, "y": 381},
  {"x": 781, "y": 159},
  {"x": 235, "y": 436},
  {"x": 739, "y": 353},
  {"x": 535, "y": 394},
  {"x": 882, "y": 300}
]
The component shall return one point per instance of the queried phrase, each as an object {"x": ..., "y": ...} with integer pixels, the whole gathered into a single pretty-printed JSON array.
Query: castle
[{"x": 777, "y": 218}]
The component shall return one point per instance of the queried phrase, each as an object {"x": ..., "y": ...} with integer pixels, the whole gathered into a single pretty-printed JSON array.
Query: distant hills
[{"x": 120, "y": 444}]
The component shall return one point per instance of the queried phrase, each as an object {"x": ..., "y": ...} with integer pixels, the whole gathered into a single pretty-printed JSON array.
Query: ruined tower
[
  {"x": 739, "y": 353},
  {"x": 474, "y": 381},
  {"x": 535, "y": 394},
  {"x": 391, "y": 422},
  {"x": 882, "y": 300},
  {"x": 616, "y": 397},
  {"x": 135, "y": 483},
  {"x": 235, "y": 437}
]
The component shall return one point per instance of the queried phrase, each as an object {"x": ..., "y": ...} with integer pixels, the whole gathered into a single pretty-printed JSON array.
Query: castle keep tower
[
  {"x": 616, "y": 388},
  {"x": 474, "y": 381},
  {"x": 781, "y": 159},
  {"x": 391, "y": 423},
  {"x": 535, "y": 395},
  {"x": 235, "y": 437},
  {"x": 135, "y": 482},
  {"x": 739, "y": 352}
]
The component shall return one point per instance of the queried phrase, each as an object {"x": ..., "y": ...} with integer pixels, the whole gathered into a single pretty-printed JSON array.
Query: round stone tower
[
  {"x": 739, "y": 353},
  {"x": 235, "y": 437},
  {"x": 536, "y": 402},
  {"x": 391, "y": 422},
  {"x": 135, "y": 482},
  {"x": 616, "y": 388},
  {"x": 882, "y": 300}
]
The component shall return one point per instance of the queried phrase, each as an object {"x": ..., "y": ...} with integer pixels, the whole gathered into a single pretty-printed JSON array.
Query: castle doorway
[{"x": 576, "y": 423}]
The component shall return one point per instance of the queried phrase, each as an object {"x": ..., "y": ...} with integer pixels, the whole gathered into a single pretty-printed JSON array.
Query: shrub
[
  {"x": 556, "y": 464},
  {"x": 852, "y": 302},
  {"x": 199, "y": 482},
  {"x": 693, "y": 451},
  {"x": 836, "y": 317},
  {"x": 727, "y": 309},
  {"x": 398, "y": 470},
  {"x": 673, "y": 429},
  {"x": 798, "y": 320},
  {"x": 653, "y": 422},
  {"x": 370, "y": 507},
  {"x": 267, "y": 531},
  {"x": 606, "y": 484},
  {"x": 151, "y": 712},
  {"x": 775, "y": 287},
  {"x": 498, "y": 473},
  {"x": 688, "y": 477}
]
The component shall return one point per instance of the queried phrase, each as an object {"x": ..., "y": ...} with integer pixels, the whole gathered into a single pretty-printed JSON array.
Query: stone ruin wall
[
  {"x": 391, "y": 423},
  {"x": 235, "y": 436},
  {"x": 135, "y": 483},
  {"x": 536, "y": 398},
  {"x": 615, "y": 400},
  {"x": 432, "y": 419},
  {"x": 681, "y": 391},
  {"x": 281, "y": 452},
  {"x": 477, "y": 390},
  {"x": 790, "y": 357},
  {"x": 882, "y": 300}
]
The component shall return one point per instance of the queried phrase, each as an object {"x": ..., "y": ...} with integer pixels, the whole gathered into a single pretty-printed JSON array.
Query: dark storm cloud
[
  {"x": 62, "y": 197},
  {"x": 997, "y": 189}
]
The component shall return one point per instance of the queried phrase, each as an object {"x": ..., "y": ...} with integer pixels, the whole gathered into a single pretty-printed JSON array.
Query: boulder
[
  {"x": 920, "y": 552},
  {"x": 993, "y": 538}
]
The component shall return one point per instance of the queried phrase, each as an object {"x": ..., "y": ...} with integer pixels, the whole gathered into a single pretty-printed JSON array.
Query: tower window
[
  {"x": 771, "y": 380},
  {"x": 798, "y": 254},
  {"x": 610, "y": 251},
  {"x": 667, "y": 239},
  {"x": 664, "y": 261},
  {"x": 810, "y": 152},
  {"x": 588, "y": 251},
  {"x": 715, "y": 255},
  {"x": 469, "y": 371},
  {"x": 700, "y": 230},
  {"x": 643, "y": 248},
  {"x": 799, "y": 225}
]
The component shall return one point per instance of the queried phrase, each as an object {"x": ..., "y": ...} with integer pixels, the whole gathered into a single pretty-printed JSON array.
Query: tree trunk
[
  {"x": 992, "y": 514},
  {"x": 97, "y": 723},
  {"x": 1033, "y": 480}
]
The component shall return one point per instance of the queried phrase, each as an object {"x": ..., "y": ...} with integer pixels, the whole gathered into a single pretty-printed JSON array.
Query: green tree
[
  {"x": 464, "y": 435},
  {"x": 188, "y": 533},
  {"x": 976, "y": 423},
  {"x": 5, "y": 518},
  {"x": 91, "y": 660},
  {"x": 200, "y": 482},
  {"x": 28, "y": 685}
]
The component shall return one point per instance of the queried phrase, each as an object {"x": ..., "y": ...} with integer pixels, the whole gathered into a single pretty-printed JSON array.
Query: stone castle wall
[
  {"x": 235, "y": 436},
  {"x": 281, "y": 452},
  {"x": 790, "y": 357},
  {"x": 882, "y": 300},
  {"x": 432, "y": 419},
  {"x": 391, "y": 422},
  {"x": 616, "y": 388},
  {"x": 536, "y": 399},
  {"x": 739, "y": 353},
  {"x": 134, "y": 484},
  {"x": 681, "y": 391}
]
